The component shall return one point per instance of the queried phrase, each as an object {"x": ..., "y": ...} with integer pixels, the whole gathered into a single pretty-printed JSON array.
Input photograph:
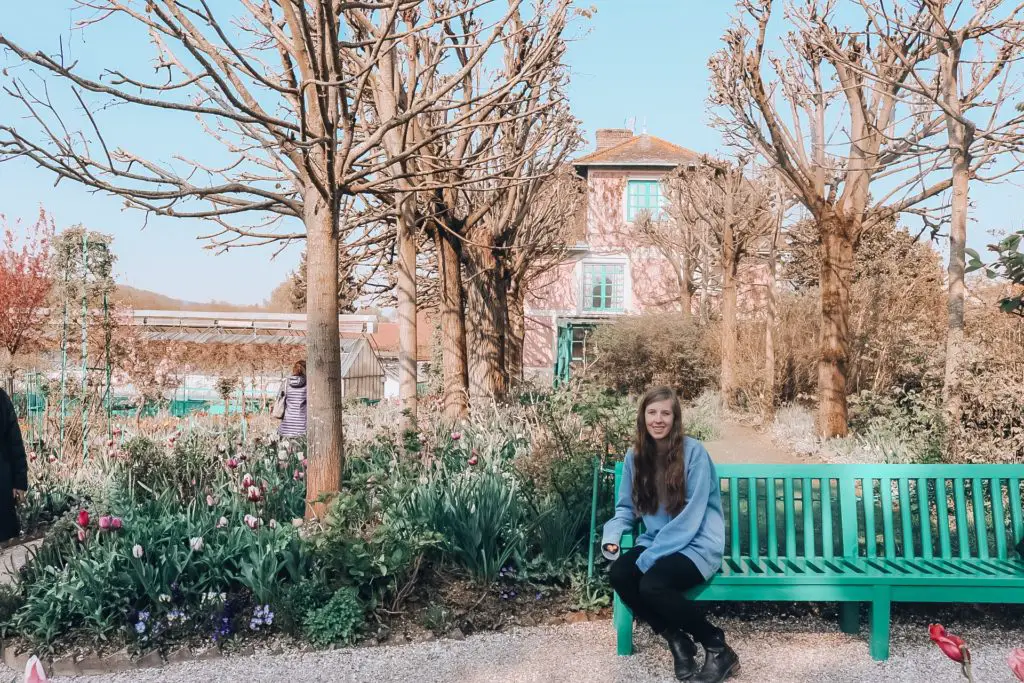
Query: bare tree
[
  {"x": 737, "y": 214},
  {"x": 537, "y": 241},
  {"x": 469, "y": 171},
  {"x": 292, "y": 90},
  {"x": 830, "y": 117},
  {"x": 969, "y": 84}
]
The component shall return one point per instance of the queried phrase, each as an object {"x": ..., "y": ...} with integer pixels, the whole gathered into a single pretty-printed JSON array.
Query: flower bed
[{"x": 191, "y": 537}]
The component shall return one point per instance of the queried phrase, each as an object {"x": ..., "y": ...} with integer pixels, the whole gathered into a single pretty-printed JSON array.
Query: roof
[
  {"x": 641, "y": 150},
  {"x": 385, "y": 338}
]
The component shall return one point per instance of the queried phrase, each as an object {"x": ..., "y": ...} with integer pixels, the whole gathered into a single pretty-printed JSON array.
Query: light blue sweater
[{"x": 698, "y": 531}]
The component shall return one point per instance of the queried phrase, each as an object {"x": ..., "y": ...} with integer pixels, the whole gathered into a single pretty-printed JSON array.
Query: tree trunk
[
  {"x": 685, "y": 274},
  {"x": 771, "y": 312},
  {"x": 961, "y": 137},
  {"x": 407, "y": 373},
  {"x": 486, "y": 308},
  {"x": 323, "y": 351},
  {"x": 515, "y": 342},
  {"x": 728, "y": 376},
  {"x": 836, "y": 278},
  {"x": 453, "y": 327}
]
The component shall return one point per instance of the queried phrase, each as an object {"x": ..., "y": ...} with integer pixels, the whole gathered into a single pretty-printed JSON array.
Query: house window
[
  {"x": 580, "y": 337},
  {"x": 643, "y": 196},
  {"x": 603, "y": 286}
]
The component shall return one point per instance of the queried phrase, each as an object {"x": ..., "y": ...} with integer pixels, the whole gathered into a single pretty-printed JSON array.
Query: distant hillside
[{"x": 145, "y": 300}]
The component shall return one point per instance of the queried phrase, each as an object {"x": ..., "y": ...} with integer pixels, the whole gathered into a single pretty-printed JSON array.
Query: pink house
[{"x": 607, "y": 274}]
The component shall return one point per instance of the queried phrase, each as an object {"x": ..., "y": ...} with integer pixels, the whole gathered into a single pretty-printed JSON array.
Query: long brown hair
[{"x": 645, "y": 458}]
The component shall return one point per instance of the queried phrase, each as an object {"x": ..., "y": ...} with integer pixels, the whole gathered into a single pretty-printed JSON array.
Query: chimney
[{"x": 609, "y": 137}]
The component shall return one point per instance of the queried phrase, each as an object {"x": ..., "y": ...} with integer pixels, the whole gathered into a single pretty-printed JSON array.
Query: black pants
[{"x": 657, "y": 596}]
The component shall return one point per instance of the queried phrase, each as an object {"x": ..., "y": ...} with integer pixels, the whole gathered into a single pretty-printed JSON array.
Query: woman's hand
[{"x": 611, "y": 547}]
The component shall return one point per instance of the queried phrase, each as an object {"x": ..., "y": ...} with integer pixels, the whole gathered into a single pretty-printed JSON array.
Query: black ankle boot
[
  {"x": 720, "y": 662},
  {"x": 683, "y": 651}
]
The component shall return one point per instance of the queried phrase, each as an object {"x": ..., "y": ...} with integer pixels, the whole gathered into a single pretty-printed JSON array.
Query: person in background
[
  {"x": 669, "y": 481},
  {"x": 293, "y": 424},
  {"x": 13, "y": 469}
]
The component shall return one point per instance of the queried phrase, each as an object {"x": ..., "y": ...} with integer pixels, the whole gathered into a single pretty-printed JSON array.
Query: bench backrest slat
[
  {"x": 980, "y": 526},
  {"x": 999, "y": 530}
]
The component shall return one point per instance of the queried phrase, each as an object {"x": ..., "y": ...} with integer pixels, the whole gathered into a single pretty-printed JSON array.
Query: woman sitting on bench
[{"x": 668, "y": 479}]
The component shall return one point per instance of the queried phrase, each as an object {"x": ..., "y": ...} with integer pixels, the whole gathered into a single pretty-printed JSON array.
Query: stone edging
[{"x": 116, "y": 662}]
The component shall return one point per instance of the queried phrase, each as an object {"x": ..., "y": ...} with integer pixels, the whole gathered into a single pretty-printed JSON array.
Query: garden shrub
[
  {"x": 339, "y": 621},
  {"x": 637, "y": 352}
]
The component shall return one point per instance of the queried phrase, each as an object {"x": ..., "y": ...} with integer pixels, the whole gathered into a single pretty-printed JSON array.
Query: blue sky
[{"x": 637, "y": 59}]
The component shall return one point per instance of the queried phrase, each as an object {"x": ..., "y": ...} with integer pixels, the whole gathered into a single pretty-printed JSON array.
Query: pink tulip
[
  {"x": 210, "y": 500},
  {"x": 299, "y": 475},
  {"x": 247, "y": 481},
  {"x": 106, "y": 522},
  {"x": 137, "y": 551},
  {"x": 252, "y": 521},
  {"x": 456, "y": 436},
  {"x": 51, "y": 459},
  {"x": 304, "y": 462},
  {"x": 116, "y": 523},
  {"x": 1016, "y": 662},
  {"x": 83, "y": 518},
  {"x": 32, "y": 456},
  {"x": 255, "y": 495},
  {"x": 232, "y": 463},
  {"x": 474, "y": 460},
  {"x": 222, "y": 522},
  {"x": 34, "y": 672},
  {"x": 81, "y": 535}
]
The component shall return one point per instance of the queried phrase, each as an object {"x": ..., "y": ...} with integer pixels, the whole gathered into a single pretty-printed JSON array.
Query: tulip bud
[
  {"x": 222, "y": 522},
  {"x": 456, "y": 436},
  {"x": 81, "y": 535},
  {"x": 197, "y": 544},
  {"x": 83, "y": 518},
  {"x": 137, "y": 551},
  {"x": 106, "y": 522},
  {"x": 116, "y": 523}
]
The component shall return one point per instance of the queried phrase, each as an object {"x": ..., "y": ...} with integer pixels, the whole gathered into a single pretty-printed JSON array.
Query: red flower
[
  {"x": 474, "y": 460},
  {"x": 952, "y": 646},
  {"x": 232, "y": 463},
  {"x": 83, "y": 518},
  {"x": 1016, "y": 662}
]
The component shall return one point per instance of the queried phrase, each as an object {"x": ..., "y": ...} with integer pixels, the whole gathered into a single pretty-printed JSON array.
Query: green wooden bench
[{"x": 875, "y": 534}]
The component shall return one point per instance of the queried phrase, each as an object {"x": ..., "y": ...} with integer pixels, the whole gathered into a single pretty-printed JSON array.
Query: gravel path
[
  {"x": 740, "y": 443},
  {"x": 12, "y": 559},
  {"x": 807, "y": 649}
]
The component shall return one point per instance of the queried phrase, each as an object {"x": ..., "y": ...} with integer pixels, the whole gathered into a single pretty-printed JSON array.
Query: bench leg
[
  {"x": 849, "y": 617},
  {"x": 622, "y": 617},
  {"x": 881, "y": 605}
]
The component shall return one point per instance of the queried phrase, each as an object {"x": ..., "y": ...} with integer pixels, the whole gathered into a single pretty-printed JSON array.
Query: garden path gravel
[
  {"x": 804, "y": 649},
  {"x": 12, "y": 559}
]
